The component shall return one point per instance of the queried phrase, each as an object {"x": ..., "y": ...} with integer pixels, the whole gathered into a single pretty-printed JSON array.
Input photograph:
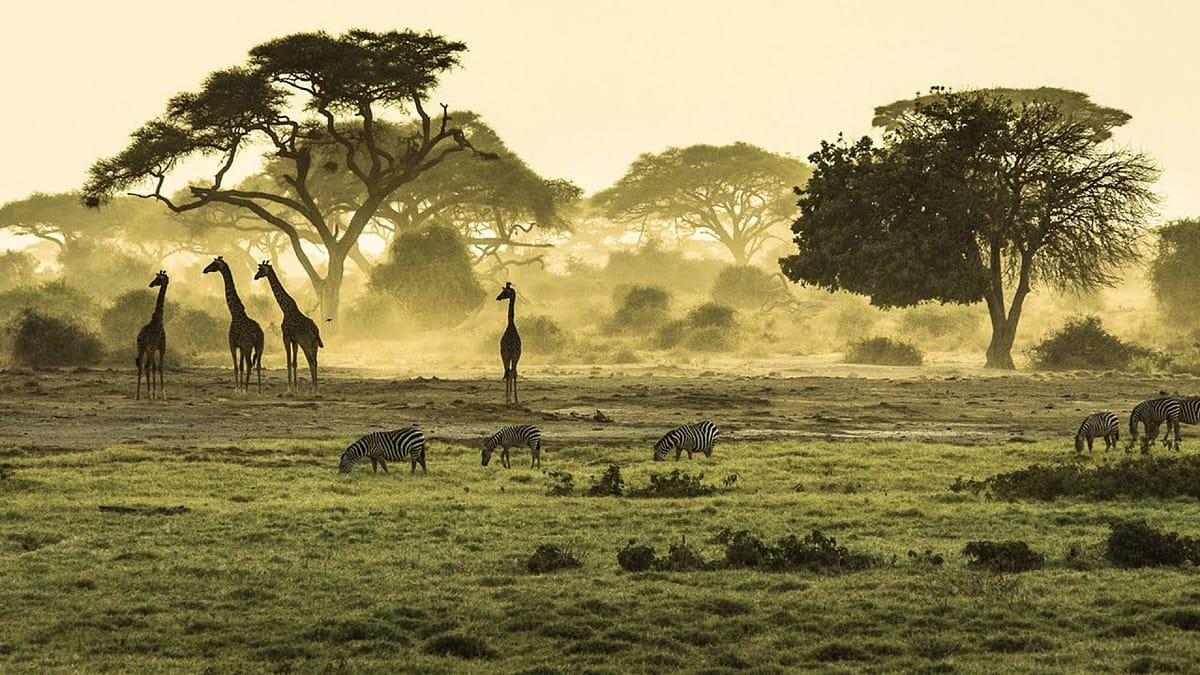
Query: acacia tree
[
  {"x": 297, "y": 95},
  {"x": 739, "y": 194},
  {"x": 1174, "y": 275},
  {"x": 973, "y": 196}
]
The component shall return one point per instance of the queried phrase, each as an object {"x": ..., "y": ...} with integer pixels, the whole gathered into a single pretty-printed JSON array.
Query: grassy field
[{"x": 259, "y": 557}]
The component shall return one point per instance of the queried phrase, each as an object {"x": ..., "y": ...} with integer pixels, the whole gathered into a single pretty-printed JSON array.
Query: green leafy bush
[
  {"x": 709, "y": 327},
  {"x": 563, "y": 485},
  {"x": 1084, "y": 345},
  {"x": 681, "y": 558},
  {"x": 431, "y": 274},
  {"x": 1134, "y": 543},
  {"x": 191, "y": 331},
  {"x": 541, "y": 334},
  {"x": 39, "y": 340},
  {"x": 882, "y": 351},
  {"x": 548, "y": 558},
  {"x": 815, "y": 552},
  {"x": 121, "y": 321},
  {"x": 636, "y": 557},
  {"x": 1003, "y": 556}
]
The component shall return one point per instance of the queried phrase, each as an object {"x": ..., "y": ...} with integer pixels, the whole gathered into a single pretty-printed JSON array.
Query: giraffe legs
[
  {"x": 510, "y": 382},
  {"x": 310, "y": 355},
  {"x": 162, "y": 385}
]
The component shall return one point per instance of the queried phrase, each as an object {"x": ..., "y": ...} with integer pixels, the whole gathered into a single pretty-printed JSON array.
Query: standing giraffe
[
  {"x": 245, "y": 335},
  {"x": 299, "y": 331},
  {"x": 510, "y": 345},
  {"x": 152, "y": 339}
]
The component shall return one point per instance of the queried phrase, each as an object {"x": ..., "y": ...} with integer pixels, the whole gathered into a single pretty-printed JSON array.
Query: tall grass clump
[
  {"x": 1134, "y": 543},
  {"x": 1140, "y": 478},
  {"x": 883, "y": 351}
]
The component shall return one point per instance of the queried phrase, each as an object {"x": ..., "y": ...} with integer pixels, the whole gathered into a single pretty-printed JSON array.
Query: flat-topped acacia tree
[{"x": 297, "y": 97}]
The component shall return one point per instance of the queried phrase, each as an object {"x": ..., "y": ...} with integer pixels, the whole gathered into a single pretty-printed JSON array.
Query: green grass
[{"x": 277, "y": 563}]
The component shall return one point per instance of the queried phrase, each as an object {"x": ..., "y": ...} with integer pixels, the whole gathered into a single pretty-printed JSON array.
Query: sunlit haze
[{"x": 579, "y": 90}]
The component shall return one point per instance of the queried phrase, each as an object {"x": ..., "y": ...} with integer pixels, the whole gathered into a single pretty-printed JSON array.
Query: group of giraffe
[
  {"x": 245, "y": 335},
  {"x": 300, "y": 333}
]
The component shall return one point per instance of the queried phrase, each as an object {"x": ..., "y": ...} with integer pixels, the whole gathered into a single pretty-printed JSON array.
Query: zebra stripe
[
  {"x": 1189, "y": 410},
  {"x": 514, "y": 437},
  {"x": 382, "y": 447},
  {"x": 1098, "y": 425},
  {"x": 698, "y": 437},
  {"x": 1152, "y": 413}
]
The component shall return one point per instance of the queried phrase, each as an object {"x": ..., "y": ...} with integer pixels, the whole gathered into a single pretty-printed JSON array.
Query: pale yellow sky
[{"x": 580, "y": 90}]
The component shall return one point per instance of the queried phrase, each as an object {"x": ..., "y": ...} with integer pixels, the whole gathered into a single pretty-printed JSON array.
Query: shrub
[
  {"x": 610, "y": 484},
  {"x": 548, "y": 558},
  {"x": 16, "y": 268},
  {"x": 883, "y": 351},
  {"x": 120, "y": 323},
  {"x": 1143, "y": 477},
  {"x": 747, "y": 287},
  {"x": 1003, "y": 556},
  {"x": 430, "y": 273},
  {"x": 674, "y": 485},
  {"x": 190, "y": 331},
  {"x": 709, "y": 327},
  {"x": 1083, "y": 345},
  {"x": 563, "y": 485},
  {"x": 39, "y": 340},
  {"x": 639, "y": 309},
  {"x": 53, "y": 298},
  {"x": 816, "y": 552},
  {"x": 636, "y": 558},
  {"x": 1134, "y": 543},
  {"x": 541, "y": 334}
]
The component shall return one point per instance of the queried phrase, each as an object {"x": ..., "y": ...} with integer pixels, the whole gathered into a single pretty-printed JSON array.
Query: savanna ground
[{"x": 212, "y": 532}]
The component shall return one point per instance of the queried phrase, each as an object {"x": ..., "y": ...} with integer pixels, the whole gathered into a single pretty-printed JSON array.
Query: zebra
[
  {"x": 1097, "y": 425},
  {"x": 1151, "y": 413},
  {"x": 698, "y": 437},
  {"x": 515, "y": 437},
  {"x": 384, "y": 446}
]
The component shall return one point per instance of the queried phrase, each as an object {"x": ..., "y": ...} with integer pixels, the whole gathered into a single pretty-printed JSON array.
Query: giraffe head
[
  {"x": 216, "y": 265},
  {"x": 264, "y": 269},
  {"x": 160, "y": 279},
  {"x": 507, "y": 292}
]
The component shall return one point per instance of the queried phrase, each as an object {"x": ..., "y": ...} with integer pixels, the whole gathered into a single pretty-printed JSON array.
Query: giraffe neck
[
  {"x": 158, "y": 305},
  {"x": 286, "y": 303},
  {"x": 512, "y": 304},
  {"x": 236, "y": 308}
]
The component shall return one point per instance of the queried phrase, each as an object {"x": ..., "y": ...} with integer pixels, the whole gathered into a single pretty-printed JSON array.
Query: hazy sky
[{"x": 579, "y": 90}]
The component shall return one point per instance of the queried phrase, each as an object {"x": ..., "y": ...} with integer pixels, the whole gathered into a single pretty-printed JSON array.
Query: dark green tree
[
  {"x": 1174, "y": 274},
  {"x": 739, "y": 195},
  {"x": 301, "y": 97},
  {"x": 972, "y": 196}
]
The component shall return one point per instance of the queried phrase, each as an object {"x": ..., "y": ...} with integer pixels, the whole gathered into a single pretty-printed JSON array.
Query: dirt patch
[{"x": 81, "y": 408}]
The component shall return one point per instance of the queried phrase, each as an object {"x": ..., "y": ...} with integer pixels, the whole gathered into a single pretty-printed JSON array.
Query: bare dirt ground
[{"x": 44, "y": 410}]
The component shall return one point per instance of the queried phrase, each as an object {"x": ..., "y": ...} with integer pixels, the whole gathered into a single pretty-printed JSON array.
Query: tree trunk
[
  {"x": 331, "y": 287},
  {"x": 999, "y": 351}
]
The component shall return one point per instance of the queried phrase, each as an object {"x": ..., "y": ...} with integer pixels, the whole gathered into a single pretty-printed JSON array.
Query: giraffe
[
  {"x": 510, "y": 345},
  {"x": 299, "y": 331},
  {"x": 245, "y": 335},
  {"x": 152, "y": 339}
]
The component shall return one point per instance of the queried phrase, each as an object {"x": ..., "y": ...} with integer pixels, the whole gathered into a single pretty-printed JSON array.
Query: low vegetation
[
  {"x": 144, "y": 557},
  {"x": 1083, "y": 344},
  {"x": 884, "y": 351}
]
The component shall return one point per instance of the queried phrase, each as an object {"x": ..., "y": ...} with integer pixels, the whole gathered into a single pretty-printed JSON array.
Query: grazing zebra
[
  {"x": 382, "y": 447},
  {"x": 698, "y": 437},
  {"x": 1098, "y": 425},
  {"x": 1151, "y": 413},
  {"x": 515, "y": 437}
]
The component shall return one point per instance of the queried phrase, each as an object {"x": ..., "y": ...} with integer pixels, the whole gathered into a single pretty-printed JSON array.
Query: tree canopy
[
  {"x": 1174, "y": 274},
  {"x": 972, "y": 196},
  {"x": 296, "y": 98},
  {"x": 738, "y": 195}
]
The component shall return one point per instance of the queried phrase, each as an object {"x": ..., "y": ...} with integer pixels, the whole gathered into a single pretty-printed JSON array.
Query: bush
[
  {"x": 610, "y": 484},
  {"x": 636, "y": 558},
  {"x": 816, "y": 552},
  {"x": 747, "y": 287},
  {"x": 639, "y": 309},
  {"x": 1134, "y": 543},
  {"x": 541, "y": 334},
  {"x": 682, "y": 558},
  {"x": 548, "y": 558},
  {"x": 710, "y": 327},
  {"x": 563, "y": 485},
  {"x": 190, "y": 331},
  {"x": 1143, "y": 477},
  {"x": 53, "y": 298},
  {"x": 16, "y": 268},
  {"x": 1003, "y": 556},
  {"x": 39, "y": 340},
  {"x": 883, "y": 351},
  {"x": 674, "y": 485},
  {"x": 120, "y": 323},
  {"x": 1083, "y": 345},
  {"x": 430, "y": 273}
]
